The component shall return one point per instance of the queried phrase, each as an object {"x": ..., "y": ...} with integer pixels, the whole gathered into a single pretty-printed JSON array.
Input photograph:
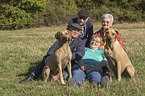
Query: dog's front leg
[
  {"x": 60, "y": 73},
  {"x": 119, "y": 70},
  {"x": 69, "y": 69}
]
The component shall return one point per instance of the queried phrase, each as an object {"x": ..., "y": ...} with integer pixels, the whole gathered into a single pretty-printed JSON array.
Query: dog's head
[
  {"x": 63, "y": 36},
  {"x": 110, "y": 34}
]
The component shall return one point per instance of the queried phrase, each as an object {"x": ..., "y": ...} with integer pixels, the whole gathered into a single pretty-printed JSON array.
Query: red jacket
[{"x": 100, "y": 32}]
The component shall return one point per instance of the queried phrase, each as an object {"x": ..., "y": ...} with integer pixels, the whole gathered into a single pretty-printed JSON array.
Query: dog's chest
[{"x": 64, "y": 52}]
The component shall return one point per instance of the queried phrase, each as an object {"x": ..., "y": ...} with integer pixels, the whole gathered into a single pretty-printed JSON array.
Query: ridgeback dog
[
  {"x": 60, "y": 58},
  {"x": 118, "y": 60}
]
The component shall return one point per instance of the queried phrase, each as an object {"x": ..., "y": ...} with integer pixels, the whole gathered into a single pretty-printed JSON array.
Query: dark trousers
[{"x": 39, "y": 68}]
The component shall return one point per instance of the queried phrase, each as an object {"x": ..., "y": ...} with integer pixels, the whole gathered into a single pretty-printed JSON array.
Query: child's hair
[{"x": 95, "y": 36}]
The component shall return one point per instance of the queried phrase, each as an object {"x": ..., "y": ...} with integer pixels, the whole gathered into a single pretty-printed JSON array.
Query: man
[
  {"x": 86, "y": 24},
  {"x": 76, "y": 45}
]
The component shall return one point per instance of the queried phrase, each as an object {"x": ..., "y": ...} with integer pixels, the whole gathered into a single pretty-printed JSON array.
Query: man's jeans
[{"x": 79, "y": 75}]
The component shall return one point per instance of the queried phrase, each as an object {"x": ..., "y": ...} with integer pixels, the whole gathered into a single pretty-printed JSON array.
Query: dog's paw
[
  {"x": 63, "y": 84},
  {"x": 119, "y": 79}
]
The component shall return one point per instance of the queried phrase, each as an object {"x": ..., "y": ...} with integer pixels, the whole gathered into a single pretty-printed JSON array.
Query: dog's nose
[
  {"x": 64, "y": 38},
  {"x": 109, "y": 39}
]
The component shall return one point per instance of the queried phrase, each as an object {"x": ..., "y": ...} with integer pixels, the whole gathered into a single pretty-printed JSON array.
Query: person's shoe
[
  {"x": 104, "y": 80},
  {"x": 65, "y": 75},
  {"x": 72, "y": 83},
  {"x": 29, "y": 78}
]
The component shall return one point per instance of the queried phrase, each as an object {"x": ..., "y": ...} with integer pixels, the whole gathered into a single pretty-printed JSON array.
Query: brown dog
[
  {"x": 117, "y": 58},
  {"x": 60, "y": 58}
]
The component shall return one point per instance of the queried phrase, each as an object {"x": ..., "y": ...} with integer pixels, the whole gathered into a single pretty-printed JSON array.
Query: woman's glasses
[{"x": 96, "y": 41}]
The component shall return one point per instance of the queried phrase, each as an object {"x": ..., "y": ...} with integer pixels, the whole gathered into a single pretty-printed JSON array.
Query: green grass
[{"x": 21, "y": 50}]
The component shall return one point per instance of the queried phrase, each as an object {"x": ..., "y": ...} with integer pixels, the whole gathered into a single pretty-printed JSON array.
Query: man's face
[
  {"x": 82, "y": 20},
  {"x": 75, "y": 33},
  {"x": 95, "y": 43},
  {"x": 106, "y": 23}
]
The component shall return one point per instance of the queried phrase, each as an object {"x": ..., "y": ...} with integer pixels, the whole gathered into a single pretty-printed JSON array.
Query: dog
[
  {"x": 60, "y": 58},
  {"x": 118, "y": 60}
]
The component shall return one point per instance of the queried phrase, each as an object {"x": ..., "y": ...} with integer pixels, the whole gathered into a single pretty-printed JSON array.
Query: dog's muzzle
[
  {"x": 109, "y": 39},
  {"x": 65, "y": 39}
]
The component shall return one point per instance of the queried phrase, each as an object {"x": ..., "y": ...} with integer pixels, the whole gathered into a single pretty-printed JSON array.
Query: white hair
[{"x": 107, "y": 16}]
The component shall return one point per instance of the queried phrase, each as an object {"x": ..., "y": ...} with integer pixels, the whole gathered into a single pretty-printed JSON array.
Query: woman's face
[
  {"x": 95, "y": 43},
  {"x": 106, "y": 23}
]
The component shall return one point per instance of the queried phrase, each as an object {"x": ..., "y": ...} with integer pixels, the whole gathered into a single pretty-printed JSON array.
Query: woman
[
  {"x": 107, "y": 21},
  {"x": 90, "y": 67}
]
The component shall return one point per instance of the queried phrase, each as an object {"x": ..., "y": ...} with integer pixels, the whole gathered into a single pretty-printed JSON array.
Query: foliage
[
  {"x": 14, "y": 18},
  {"x": 59, "y": 11},
  {"x": 122, "y": 10},
  {"x": 30, "y": 6},
  {"x": 20, "y": 14}
]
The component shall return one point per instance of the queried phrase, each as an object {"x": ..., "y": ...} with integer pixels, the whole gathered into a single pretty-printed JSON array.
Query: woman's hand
[{"x": 101, "y": 47}]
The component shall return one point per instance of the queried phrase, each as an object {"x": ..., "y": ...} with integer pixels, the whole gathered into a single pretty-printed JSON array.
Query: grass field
[{"x": 21, "y": 50}]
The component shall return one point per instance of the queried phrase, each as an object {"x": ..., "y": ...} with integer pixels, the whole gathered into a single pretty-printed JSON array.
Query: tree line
[{"x": 18, "y": 14}]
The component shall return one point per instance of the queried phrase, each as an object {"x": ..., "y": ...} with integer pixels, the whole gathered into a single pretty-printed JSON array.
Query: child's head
[{"x": 96, "y": 41}]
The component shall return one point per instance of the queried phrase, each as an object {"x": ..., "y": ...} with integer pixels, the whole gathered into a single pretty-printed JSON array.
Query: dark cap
[
  {"x": 75, "y": 26},
  {"x": 83, "y": 13}
]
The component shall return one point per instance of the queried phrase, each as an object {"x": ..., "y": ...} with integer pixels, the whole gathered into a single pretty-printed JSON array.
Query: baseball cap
[
  {"x": 75, "y": 26},
  {"x": 83, "y": 14}
]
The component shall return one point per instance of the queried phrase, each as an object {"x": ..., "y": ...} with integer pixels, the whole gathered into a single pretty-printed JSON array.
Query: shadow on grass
[{"x": 30, "y": 70}]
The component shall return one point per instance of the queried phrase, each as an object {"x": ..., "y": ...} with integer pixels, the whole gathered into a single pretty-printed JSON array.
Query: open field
[{"x": 21, "y": 50}]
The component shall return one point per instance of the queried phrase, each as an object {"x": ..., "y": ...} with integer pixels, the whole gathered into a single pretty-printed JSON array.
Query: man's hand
[
  {"x": 97, "y": 67},
  {"x": 90, "y": 68},
  {"x": 101, "y": 47},
  {"x": 82, "y": 65}
]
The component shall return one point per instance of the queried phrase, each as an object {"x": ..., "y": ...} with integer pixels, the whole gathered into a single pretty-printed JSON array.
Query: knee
[
  {"x": 78, "y": 76},
  {"x": 78, "y": 72},
  {"x": 95, "y": 77}
]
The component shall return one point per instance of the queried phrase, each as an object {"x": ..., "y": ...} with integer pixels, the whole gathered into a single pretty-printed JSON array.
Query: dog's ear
[
  {"x": 70, "y": 33},
  {"x": 57, "y": 35},
  {"x": 119, "y": 35},
  {"x": 116, "y": 31}
]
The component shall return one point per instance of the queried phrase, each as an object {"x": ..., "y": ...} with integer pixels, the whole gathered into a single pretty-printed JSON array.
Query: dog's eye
[
  {"x": 113, "y": 33},
  {"x": 66, "y": 33},
  {"x": 107, "y": 32}
]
